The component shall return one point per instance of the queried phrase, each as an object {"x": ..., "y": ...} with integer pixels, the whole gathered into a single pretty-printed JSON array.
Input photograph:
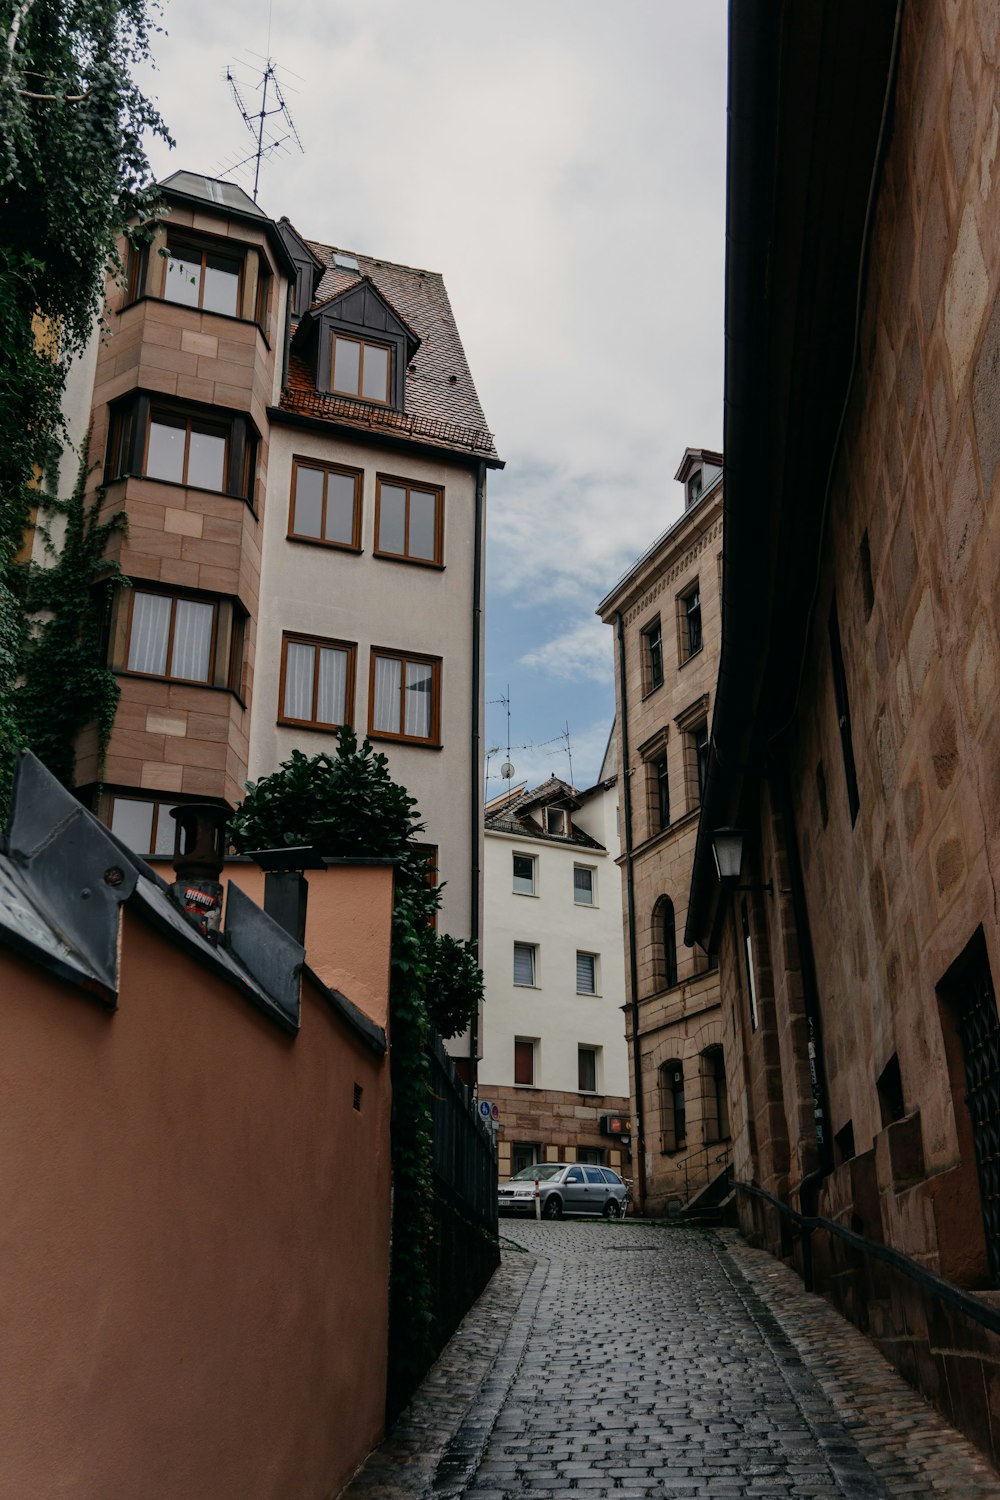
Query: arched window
[
  {"x": 673, "y": 1115},
  {"x": 716, "y": 1097},
  {"x": 668, "y": 939}
]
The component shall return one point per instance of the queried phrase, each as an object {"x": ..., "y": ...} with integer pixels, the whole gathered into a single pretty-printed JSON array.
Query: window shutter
[
  {"x": 585, "y": 974},
  {"x": 524, "y": 1062},
  {"x": 583, "y": 887}
]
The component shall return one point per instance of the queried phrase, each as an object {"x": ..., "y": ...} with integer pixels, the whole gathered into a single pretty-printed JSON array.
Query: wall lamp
[{"x": 727, "y": 847}]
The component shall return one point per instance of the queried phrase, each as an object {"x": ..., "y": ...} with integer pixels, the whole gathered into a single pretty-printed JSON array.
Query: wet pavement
[{"x": 633, "y": 1360}]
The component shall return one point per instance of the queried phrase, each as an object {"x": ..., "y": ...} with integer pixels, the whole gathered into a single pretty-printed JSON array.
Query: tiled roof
[
  {"x": 441, "y": 404},
  {"x": 511, "y": 814}
]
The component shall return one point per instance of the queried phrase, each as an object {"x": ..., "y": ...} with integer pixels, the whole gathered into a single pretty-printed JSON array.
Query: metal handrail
[
  {"x": 723, "y": 1156},
  {"x": 964, "y": 1302}
]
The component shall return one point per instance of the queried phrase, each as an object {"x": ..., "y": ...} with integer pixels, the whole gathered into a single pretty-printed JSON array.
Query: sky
[{"x": 561, "y": 162}]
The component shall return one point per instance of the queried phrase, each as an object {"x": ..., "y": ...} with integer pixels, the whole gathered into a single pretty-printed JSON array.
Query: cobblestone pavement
[{"x": 629, "y": 1360}]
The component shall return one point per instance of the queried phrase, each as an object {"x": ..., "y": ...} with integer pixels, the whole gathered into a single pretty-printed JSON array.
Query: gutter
[
  {"x": 476, "y": 752},
  {"x": 633, "y": 967}
]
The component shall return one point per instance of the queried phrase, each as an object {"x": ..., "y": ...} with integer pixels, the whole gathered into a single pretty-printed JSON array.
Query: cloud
[{"x": 583, "y": 652}]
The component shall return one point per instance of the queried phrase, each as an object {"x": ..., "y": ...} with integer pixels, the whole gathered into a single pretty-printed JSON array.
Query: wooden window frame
[
  {"x": 353, "y": 338},
  {"x": 157, "y": 804},
  {"x": 226, "y": 648},
  {"x": 437, "y": 561},
  {"x": 174, "y": 598},
  {"x": 222, "y": 248},
  {"x": 431, "y": 741},
  {"x": 171, "y": 418},
  {"x": 532, "y": 1044},
  {"x": 300, "y": 460},
  {"x": 321, "y": 643}
]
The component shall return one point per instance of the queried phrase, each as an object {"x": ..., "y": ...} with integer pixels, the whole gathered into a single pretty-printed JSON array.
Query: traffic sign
[
  {"x": 494, "y": 1112},
  {"x": 486, "y": 1108}
]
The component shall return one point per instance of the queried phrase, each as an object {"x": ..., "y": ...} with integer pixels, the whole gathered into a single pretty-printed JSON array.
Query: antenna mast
[{"x": 255, "y": 120}]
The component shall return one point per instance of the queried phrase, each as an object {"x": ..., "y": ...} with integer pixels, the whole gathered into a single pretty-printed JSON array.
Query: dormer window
[
  {"x": 695, "y": 486},
  {"x": 557, "y": 821},
  {"x": 360, "y": 369}
]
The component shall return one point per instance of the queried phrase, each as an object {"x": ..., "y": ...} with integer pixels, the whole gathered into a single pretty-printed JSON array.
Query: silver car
[{"x": 564, "y": 1188}]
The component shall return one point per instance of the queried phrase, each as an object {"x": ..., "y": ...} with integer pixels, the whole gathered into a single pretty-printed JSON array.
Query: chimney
[
  {"x": 199, "y": 850},
  {"x": 286, "y": 889}
]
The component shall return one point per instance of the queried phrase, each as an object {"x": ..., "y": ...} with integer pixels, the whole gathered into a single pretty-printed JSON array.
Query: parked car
[{"x": 564, "y": 1188}]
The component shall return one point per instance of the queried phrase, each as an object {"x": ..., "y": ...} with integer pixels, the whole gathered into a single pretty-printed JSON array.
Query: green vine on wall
[{"x": 67, "y": 684}]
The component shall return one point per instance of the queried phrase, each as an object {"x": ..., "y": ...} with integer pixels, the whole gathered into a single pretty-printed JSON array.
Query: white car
[{"x": 564, "y": 1188}]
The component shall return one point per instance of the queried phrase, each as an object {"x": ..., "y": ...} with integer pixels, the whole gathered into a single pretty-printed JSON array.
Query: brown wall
[
  {"x": 196, "y": 1233},
  {"x": 677, "y": 1022},
  {"x": 912, "y": 561}
]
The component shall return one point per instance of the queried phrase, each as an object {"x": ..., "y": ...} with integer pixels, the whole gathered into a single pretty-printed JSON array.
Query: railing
[
  {"x": 685, "y": 1162},
  {"x": 807, "y": 1224},
  {"x": 465, "y": 1163}
]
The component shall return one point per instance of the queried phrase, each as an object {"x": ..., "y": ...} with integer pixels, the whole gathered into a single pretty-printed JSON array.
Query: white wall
[
  {"x": 553, "y": 1012},
  {"x": 373, "y": 601}
]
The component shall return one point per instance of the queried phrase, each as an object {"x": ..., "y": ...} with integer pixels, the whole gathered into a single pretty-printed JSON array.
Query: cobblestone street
[{"x": 630, "y": 1360}]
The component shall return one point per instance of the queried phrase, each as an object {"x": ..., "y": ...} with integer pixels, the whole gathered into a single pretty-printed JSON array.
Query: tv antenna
[{"x": 266, "y": 138}]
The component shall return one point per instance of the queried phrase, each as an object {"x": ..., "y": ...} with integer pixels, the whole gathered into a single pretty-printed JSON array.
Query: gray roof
[{"x": 213, "y": 190}]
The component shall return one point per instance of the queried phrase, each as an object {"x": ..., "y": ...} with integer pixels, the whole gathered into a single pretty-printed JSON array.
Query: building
[
  {"x": 182, "y": 1118},
  {"x": 554, "y": 1060},
  {"x": 856, "y": 733},
  {"x": 665, "y": 612},
  {"x": 293, "y": 432}
]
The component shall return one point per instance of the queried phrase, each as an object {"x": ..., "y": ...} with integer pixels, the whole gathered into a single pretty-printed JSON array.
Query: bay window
[
  {"x": 184, "y": 638},
  {"x": 181, "y": 443}
]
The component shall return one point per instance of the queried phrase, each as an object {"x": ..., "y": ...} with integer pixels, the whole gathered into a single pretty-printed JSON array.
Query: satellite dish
[{"x": 506, "y": 770}]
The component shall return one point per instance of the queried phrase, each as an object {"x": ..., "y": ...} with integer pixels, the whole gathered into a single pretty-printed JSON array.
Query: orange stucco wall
[{"x": 195, "y": 1236}]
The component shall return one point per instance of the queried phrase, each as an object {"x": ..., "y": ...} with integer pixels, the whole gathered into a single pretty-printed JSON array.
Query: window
[
  {"x": 186, "y": 450},
  {"x": 661, "y": 792},
  {"x": 145, "y": 825},
  {"x": 404, "y": 698},
  {"x": 690, "y": 620},
  {"x": 695, "y": 486},
  {"x": 700, "y": 745},
  {"x": 557, "y": 822},
  {"x": 843, "y": 715},
  {"x": 325, "y": 504},
  {"x": 206, "y": 449},
  {"x": 748, "y": 962},
  {"x": 592, "y": 1156},
  {"x": 652, "y": 657},
  {"x": 408, "y": 521},
  {"x": 583, "y": 885},
  {"x": 202, "y": 278},
  {"x": 171, "y": 637},
  {"x": 716, "y": 1098},
  {"x": 586, "y": 973},
  {"x": 429, "y": 852},
  {"x": 360, "y": 369},
  {"x": 891, "y": 1099},
  {"x": 668, "y": 939},
  {"x": 524, "y": 964},
  {"x": 524, "y": 1060},
  {"x": 524, "y": 1154},
  {"x": 524, "y": 875},
  {"x": 844, "y": 1141},
  {"x": 673, "y": 1113},
  {"x": 186, "y": 639},
  {"x": 587, "y": 1069},
  {"x": 317, "y": 682}
]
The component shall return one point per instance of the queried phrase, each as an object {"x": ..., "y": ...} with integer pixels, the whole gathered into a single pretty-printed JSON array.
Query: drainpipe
[
  {"x": 633, "y": 967},
  {"x": 476, "y": 757}
]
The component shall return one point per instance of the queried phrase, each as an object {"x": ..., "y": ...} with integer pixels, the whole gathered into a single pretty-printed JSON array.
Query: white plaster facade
[
  {"x": 370, "y": 601},
  {"x": 551, "y": 1013}
]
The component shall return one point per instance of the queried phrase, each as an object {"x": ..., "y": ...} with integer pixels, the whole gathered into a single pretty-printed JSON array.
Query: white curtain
[
  {"x": 419, "y": 683},
  {"x": 388, "y": 679},
  {"x": 332, "y": 695},
  {"x": 150, "y": 634},
  {"x": 191, "y": 657},
  {"x": 299, "y": 667}
]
